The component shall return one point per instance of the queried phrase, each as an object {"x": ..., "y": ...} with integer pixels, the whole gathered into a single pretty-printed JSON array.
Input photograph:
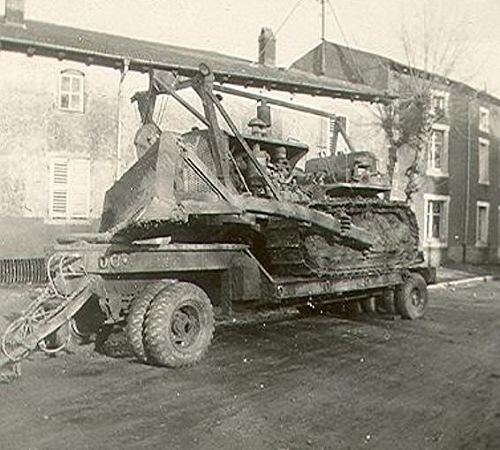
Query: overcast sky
[{"x": 232, "y": 26}]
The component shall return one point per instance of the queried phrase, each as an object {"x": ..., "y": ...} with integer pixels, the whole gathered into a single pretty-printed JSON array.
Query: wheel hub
[
  {"x": 185, "y": 326},
  {"x": 416, "y": 298}
]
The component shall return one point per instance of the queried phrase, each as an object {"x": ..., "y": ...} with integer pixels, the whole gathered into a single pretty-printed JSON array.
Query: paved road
[{"x": 319, "y": 383}]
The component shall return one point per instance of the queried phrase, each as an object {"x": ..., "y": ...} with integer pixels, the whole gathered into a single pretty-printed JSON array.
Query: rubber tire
[
  {"x": 160, "y": 348},
  {"x": 368, "y": 305},
  {"x": 404, "y": 297},
  {"x": 353, "y": 307},
  {"x": 386, "y": 304},
  {"x": 135, "y": 321}
]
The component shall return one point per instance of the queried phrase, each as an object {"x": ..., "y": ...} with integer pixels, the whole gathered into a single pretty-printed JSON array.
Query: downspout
[
  {"x": 123, "y": 73},
  {"x": 467, "y": 182}
]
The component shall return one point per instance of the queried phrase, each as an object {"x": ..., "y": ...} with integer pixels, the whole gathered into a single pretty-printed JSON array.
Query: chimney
[
  {"x": 14, "y": 12},
  {"x": 267, "y": 47}
]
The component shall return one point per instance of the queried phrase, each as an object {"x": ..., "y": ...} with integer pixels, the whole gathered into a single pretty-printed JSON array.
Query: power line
[
  {"x": 337, "y": 21},
  {"x": 282, "y": 24}
]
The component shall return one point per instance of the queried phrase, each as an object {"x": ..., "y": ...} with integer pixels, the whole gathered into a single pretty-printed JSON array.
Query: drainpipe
[
  {"x": 467, "y": 179},
  {"x": 123, "y": 73}
]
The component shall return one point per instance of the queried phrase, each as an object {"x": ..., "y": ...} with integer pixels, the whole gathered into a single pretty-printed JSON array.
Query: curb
[{"x": 462, "y": 282}]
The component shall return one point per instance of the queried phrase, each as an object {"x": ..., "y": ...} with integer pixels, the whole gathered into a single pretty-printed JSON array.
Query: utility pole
[
  {"x": 323, "y": 20},
  {"x": 323, "y": 34}
]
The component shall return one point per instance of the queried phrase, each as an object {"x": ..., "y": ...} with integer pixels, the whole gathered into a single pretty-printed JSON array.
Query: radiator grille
[{"x": 23, "y": 271}]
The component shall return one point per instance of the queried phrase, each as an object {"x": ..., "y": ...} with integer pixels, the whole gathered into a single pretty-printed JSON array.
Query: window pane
[
  {"x": 75, "y": 84},
  {"x": 436, "y": 220},
  {"x": 71, "y": 91},
  {"x": 438, "y": 151},
  {"x": 482, "y": 224},
  {"x": 64, "y": 101},
  {"x": 484, "y": 119},
  {"x": 65, "y": 83},
  {"x": 75, "y": 102},
  {"x": 484, "y": 176}
]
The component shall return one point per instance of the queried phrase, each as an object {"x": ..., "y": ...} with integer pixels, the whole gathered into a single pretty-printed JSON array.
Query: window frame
[
  {"x": 481, "y": 143},
  {"x": 484, "y": 112},
  {"x": 446, "y": 98},
  {"x": 431, "y": 242},
  {"x": 71, "y": 74},
  {"x": 442, "y": 171},
  {"x": 486, "y": 205}
]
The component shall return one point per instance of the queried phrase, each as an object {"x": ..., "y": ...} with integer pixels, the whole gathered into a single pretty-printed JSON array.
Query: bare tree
[{"x": 435, "y": 42}]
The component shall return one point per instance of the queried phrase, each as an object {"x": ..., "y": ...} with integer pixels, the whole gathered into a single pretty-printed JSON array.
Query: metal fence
[{"x": 23, "y": 271}]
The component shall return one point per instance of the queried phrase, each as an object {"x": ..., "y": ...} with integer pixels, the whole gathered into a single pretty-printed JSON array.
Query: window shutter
[
  {"x": 59, "y": 198},
  {"x": 79, "y": 175},
  {"x": 70, "y": 189}
]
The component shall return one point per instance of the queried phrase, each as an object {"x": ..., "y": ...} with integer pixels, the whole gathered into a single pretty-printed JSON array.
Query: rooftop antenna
[
  {"x": 323, "y": 20},
  {"x": 323, "y": 34}
]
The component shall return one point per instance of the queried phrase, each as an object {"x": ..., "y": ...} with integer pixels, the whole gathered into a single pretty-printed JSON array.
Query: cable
[
  {"x": 337, "y": 21},
  {"x": 282, "y": 24}
]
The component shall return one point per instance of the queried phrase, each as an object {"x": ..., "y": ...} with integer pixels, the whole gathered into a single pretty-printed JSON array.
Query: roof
[
  {"x": 359, "y": 66},
  {"x": 111, "y": 51},
  {"x": 343, "y": 63}
]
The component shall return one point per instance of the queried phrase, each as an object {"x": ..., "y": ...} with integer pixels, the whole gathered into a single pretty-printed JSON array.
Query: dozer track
[{"x": 299, "y": 249}]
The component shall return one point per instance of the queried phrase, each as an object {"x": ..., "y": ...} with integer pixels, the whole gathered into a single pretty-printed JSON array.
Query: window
[
  {"x": 70, "y": 188},
  {"x": 484, "y": 120},
  {"x": 483, "y": 209},
  {"x": 437, "y": 163},
  {"x": 436, "y": 220},
  {"x": 71, "y": 89},
  {"x": 439, "y": 103},
  {"x": 484, "y": 161}
]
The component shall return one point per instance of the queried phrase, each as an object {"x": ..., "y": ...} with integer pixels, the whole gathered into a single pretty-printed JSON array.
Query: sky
[{"x": 232, "y": 27}]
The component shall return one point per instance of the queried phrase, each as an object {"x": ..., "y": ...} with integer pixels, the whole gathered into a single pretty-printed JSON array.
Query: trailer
[{"x": 212, "y": 223}]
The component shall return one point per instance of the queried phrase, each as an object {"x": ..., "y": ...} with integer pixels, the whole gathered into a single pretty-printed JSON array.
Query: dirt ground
[{"x": 287, "y": 383}]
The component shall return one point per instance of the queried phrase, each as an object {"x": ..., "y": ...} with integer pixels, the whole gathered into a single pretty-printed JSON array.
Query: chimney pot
[
  {"x": 267, "y": 47},
  {"x": 14, "y": 12}
]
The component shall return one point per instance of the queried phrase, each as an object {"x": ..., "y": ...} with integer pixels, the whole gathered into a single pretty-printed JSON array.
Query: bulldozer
[{"x": 212, "y": 222}]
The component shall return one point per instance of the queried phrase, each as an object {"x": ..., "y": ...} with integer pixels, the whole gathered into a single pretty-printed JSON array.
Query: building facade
[
  {"x": 67, "y": 129},
  {"x": 60, "y": 148},
  {"x": 457, "y": 204}
]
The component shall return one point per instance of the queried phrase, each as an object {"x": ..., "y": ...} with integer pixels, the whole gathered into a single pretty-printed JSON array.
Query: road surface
[{"x": 280, "y": 383}]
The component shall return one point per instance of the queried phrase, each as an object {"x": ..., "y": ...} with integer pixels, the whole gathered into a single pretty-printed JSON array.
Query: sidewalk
[{"x": 453, "y": 272}]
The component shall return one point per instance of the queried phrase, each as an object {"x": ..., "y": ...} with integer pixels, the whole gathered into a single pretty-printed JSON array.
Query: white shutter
[
  {"x": 70, "y": 189},
  {"x": 59, "y": 189},
  {"x": 79, "y": 174}
]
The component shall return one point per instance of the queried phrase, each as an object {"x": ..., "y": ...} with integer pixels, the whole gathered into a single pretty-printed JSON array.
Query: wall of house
[
  {"x": 485, "y": 192},
  {"x": 33, "y": 130},
  {"x": 462, "y": 122}
]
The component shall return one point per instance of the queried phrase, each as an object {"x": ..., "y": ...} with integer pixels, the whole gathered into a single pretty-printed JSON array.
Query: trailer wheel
[
  {"x": 386, "y": 304},
  {"x": 368, "y": 305},
  {"x": 353, "y": 308},
  {"x": 135, "y": 322},
  {"x": 411, "y": 297},
  {"x": 179, "y": 326}
]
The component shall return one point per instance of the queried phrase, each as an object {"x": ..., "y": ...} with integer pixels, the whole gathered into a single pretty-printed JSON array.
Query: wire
[
  {"x": 281, "y": 25},
  {"x": 337, "y": 21}
]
